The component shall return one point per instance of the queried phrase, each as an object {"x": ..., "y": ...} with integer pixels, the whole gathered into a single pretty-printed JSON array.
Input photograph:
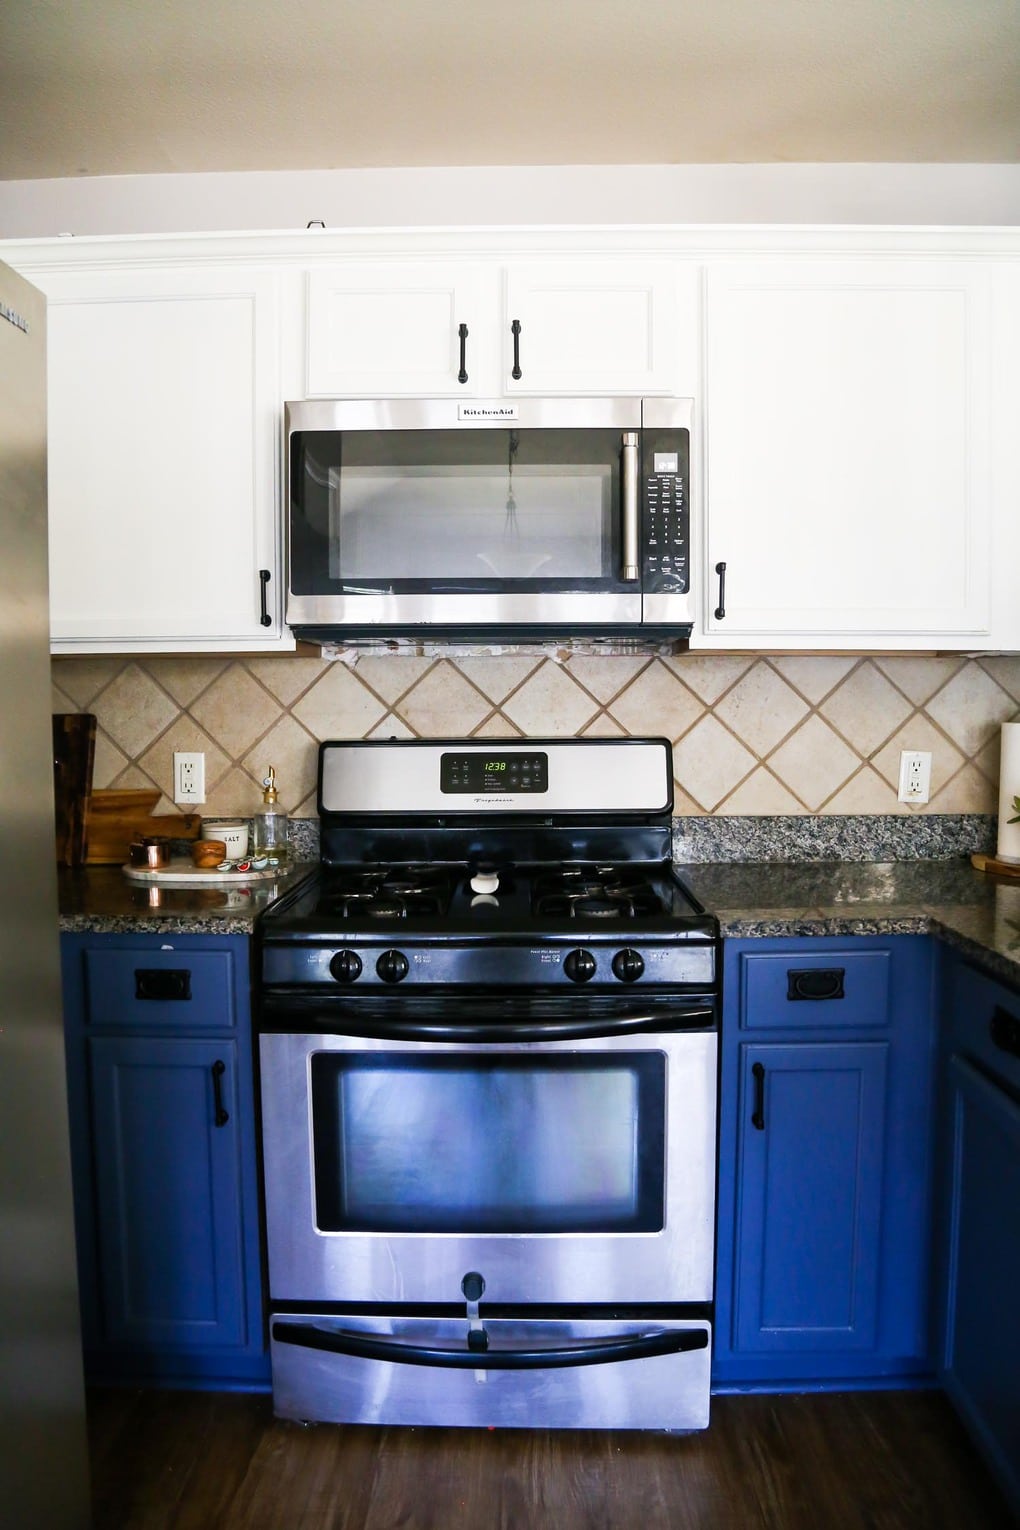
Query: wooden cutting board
[
  {"x": 117, "y": 819},
  {"x": 74, "y": 748},
  {"x": 995, "y": 867}
]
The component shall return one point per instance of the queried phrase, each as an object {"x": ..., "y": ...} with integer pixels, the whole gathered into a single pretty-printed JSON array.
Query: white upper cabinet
[
  {"x": 609, "y": 326},
  {"x": 380, "y": 330},
  {"x": 847, "y": 453},
  {"x": 163, "y": 460},
  {"x": 560, "y": 326}
]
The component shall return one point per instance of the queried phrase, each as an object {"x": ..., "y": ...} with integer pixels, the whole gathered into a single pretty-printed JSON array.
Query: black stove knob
[
  {"x": 628, "y": 965},
  {"x": 392, "y": 966},
  {"x": 579, "y": 966},
  {"x": 346, "y": 966}
]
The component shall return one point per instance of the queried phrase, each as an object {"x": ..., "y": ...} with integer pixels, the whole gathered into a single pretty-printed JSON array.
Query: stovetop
[
  {"x": 458, "y": 862},
  {"x": 524, "y": 901}
]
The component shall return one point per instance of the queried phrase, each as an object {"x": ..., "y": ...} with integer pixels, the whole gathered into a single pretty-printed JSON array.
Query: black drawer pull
[
  {"x": 1005, "y": 1031},
  {"x": 758, "y": 1114},
  {"x": 515, "y": 330},
  {"x": 815, "y": 983},
  {"x": 462, "y": 331},
  {"x": 220, "y": 1115},
  {"x": 163, "y": 984}
]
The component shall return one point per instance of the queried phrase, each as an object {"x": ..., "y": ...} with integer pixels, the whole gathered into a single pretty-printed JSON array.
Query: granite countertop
[
  {"x": 101, "y": 900},
  {"x": 977, "y": 913}
]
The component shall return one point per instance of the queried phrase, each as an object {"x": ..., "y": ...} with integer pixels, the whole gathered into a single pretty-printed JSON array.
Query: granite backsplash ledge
[{"x": 851, "y": 837}]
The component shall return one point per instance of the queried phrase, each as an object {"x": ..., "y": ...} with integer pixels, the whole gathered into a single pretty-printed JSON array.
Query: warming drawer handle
[
  {"x": 758, "y": 1114},
  {"x": 515, "y": 330},
  {"x": 699, "y": 1019},
  {"x": 264, "y": 577},
  {"x": 588, "y": 1352},
  {"x": 462, "y": 331}
]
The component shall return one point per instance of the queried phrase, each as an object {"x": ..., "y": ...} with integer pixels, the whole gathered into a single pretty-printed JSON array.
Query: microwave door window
[{"x": 489, "y": 509}]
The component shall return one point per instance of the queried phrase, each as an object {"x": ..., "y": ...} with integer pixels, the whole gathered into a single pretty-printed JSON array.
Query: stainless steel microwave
[{"x": 512, "y": 521}]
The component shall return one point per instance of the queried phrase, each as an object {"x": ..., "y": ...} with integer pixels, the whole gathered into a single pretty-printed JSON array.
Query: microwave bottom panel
[
  {"x": 665, "y": 638},
  {"x": 535, "y": 1373}
]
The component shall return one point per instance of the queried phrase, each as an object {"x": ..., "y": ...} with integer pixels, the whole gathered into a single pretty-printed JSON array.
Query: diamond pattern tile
[
  {"x": 814, "y": 763},
  {"x": 801, "y": 733},
  {"x": 865, "y": 708},
  {"x": 550, "y": 702}
]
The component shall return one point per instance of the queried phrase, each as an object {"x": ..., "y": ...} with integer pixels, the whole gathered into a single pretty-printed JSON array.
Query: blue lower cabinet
[
  {"x": 827, "y": 1053},
  {"x": 979, "y": 1244},
  {"x": 163, "y": 1138},
  {"x": 811, "y": 1159}
]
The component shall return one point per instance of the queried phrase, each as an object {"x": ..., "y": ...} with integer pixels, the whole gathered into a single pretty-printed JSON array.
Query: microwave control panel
[{"x": 665, "y": 556}]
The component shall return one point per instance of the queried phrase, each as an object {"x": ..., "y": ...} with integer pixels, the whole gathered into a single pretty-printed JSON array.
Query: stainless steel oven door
[
  {"x": 572, "y": 1171},
  {"x": 535, "y": 1373}
]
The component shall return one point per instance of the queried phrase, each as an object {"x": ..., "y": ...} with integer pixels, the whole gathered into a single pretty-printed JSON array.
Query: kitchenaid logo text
[
  {"x": 486, "y": 411},
  {"x": 13, "y": 317}
]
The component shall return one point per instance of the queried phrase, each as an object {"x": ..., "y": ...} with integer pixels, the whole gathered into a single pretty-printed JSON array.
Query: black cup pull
[
  {"x": 758, "y": 1114},
  {"x": 163, "y": 985},
  {"x": 515, "y": 330},
  {"x": 219, "y": 1113},
  {"x": 720, "y": 610},
  {"x": 1005, "y": 1031},
  {"x": 462, "y": 331},
  {"x": 815, "y": 983}
]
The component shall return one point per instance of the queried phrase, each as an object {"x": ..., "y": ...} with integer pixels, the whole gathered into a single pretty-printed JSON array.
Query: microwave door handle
[
  {"x": 629, "y": 506},
  {"x": 588, "y": 1352}
]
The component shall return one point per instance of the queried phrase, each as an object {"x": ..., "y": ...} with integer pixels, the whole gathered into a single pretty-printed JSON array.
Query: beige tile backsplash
[{"x": 751, "y": 735}]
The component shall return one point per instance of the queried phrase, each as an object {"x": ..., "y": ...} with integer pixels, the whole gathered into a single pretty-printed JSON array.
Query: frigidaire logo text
[{"x": 13, "y": 317}]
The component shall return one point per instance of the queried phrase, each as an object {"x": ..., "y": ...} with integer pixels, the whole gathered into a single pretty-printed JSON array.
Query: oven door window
[
  {"x": 455, "y": 511},
  {"x": 405, "y": 1143}
]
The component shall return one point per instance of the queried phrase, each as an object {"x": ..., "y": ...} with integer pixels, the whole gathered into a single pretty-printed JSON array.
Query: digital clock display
[{"x": 524, "y": 771}]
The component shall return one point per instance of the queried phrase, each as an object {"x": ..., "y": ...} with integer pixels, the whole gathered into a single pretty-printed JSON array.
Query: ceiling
[{"x": 118, "y": 87}]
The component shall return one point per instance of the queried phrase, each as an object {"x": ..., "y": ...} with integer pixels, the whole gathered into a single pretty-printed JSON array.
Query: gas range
[
  {"x": 487, "y": 1034},
  {"x": 474, "y": 882}
]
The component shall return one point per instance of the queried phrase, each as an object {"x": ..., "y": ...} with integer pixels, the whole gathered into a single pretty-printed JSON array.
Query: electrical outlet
[
  {"x": 189, "y": 777},
  {"x": 915, "y": 775}
]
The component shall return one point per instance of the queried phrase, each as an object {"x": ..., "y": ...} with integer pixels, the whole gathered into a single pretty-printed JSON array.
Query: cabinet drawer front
[
  {"x": 829, "y": 989},
  {"x": 156, "y": 988},
  {"x": 986, "y": 1023}
]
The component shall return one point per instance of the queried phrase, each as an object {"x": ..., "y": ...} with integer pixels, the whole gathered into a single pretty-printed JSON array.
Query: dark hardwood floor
[{"x": 853, "y": 1461}]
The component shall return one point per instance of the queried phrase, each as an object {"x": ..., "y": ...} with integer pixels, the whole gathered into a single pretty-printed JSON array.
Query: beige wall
[{"x": 751, "y": 735}]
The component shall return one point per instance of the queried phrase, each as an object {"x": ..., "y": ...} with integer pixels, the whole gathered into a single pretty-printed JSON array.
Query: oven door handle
[
  {"x": 593, "y": 1029},
  {"x": 587, "y": 1352}
]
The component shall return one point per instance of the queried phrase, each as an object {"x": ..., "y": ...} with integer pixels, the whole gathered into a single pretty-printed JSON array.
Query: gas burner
[
  {"x": 386, "y": 892},
  {"x": 596, "y": 907}
]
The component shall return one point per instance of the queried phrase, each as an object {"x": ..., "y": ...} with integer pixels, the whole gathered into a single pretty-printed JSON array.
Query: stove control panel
[
  {"x": 494, "y": 771},
  {"x": 456, "y": 964}
]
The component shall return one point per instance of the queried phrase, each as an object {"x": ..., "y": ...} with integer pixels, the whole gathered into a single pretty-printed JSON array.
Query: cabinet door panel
[
  {"x": 602, "y": 327},
  {"x": 847, "y": 448},
  {"x": 981, "y": 1355},
  {"x": 810, "y": 1201},
  {"x": 375, "y": 331},
  {"x": 168, "y": 1192},
  {"x": 163, "y": 417}
]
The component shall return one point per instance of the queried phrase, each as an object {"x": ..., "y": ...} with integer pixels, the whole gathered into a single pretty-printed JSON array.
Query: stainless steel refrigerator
[{"x": 43, "y": 1453}]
